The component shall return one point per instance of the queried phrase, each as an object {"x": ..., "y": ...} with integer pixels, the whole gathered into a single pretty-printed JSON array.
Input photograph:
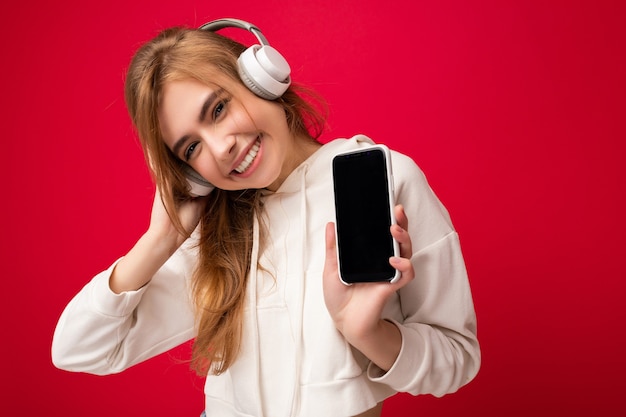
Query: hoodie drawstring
[
  {"x": 252, "y": 294},
  {"x": 300, "y": 288}
]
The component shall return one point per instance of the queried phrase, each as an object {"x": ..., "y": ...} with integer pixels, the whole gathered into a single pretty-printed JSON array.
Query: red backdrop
[{"x": 514, "y": 111}]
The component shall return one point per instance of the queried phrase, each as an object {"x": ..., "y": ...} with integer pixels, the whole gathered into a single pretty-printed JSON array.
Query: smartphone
[{"x": 364, "y": 201}]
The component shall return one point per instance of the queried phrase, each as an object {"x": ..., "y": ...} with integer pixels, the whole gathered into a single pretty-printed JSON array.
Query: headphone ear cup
[
  {"x": 196, "y": 184},
  {"x": 264, "y": 71}
]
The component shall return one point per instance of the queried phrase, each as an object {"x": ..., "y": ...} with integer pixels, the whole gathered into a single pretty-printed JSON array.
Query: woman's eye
[
  {"x": 189, "y": 151},
  {"x": 219, "y": 109}
]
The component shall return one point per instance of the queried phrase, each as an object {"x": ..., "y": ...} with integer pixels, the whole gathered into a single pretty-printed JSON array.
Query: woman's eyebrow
[{"x": 179, "y": 144}]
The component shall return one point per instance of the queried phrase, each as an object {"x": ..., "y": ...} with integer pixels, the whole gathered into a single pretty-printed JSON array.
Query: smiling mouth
[{"x": 247, "y": 161}]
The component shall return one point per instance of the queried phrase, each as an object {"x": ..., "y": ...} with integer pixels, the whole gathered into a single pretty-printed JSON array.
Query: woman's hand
[
  {"x": 161, "y": 226},
  {"x": 155, "y": 247},
  {"x": 357, "y": 309}
]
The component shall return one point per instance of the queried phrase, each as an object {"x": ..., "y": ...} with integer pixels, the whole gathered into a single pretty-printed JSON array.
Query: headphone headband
[{"x": 218, "y": 24}]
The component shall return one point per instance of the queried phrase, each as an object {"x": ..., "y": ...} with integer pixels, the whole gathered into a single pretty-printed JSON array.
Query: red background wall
[{"x": 515, "y": 111}]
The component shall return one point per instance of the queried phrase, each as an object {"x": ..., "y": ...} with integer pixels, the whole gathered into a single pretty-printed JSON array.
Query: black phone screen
[{"x": 363, "y": 216}]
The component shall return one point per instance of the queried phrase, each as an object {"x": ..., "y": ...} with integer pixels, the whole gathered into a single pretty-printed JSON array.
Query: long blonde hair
[{"x": 226, "y": 228}]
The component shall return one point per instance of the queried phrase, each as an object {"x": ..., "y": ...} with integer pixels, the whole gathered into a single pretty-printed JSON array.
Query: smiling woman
[
  {"x": 239, "y": 125},
  {"x": 250, "y": 270}
]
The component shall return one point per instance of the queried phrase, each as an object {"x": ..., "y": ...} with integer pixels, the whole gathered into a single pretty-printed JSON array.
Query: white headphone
[
  {"x": 197, "y": 186},
  {"x": 261, "y": 67}
]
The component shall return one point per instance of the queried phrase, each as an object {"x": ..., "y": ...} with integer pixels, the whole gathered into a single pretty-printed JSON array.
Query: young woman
[{"x": 250, "y": 270}]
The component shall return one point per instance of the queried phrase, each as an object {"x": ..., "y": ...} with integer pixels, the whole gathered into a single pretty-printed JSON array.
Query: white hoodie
[{"x": 293, "y": 361}]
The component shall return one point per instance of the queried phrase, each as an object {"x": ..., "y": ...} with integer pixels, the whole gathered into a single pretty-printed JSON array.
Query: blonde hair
[{"x": 226, "y": 228}]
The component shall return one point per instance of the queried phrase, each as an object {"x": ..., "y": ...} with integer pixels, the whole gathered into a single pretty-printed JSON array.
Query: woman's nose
[{"x": 222, "y": 146}]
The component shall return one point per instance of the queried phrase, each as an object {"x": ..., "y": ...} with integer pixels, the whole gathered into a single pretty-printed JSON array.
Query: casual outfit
[{"x": 293, "y": 361}]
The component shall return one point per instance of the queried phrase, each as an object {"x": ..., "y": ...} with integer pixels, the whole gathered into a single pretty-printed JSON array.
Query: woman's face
[{"x": 231, "y": 137}]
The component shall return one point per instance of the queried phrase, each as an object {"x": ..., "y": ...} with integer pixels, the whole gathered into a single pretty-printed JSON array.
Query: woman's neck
[{"x": 303, "y": 147}]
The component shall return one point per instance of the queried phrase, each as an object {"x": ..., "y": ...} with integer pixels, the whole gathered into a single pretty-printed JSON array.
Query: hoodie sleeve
[
  {"x": 440, "y": 350},
  {"x": 101, "y": 332}
]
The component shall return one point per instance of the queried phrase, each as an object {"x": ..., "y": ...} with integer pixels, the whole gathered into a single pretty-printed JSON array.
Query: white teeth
[{"x": 249, "y": 158}]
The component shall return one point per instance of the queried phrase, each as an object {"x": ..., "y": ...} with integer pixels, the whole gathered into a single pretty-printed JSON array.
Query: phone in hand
[{"x": 364, "y": 201}]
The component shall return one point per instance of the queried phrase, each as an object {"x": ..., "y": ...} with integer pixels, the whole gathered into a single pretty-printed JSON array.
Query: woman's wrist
[
  {"x": 163, "y": 242},
  {"x": 140, "y": 264},
  {"x": 381, "y": 344}
]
